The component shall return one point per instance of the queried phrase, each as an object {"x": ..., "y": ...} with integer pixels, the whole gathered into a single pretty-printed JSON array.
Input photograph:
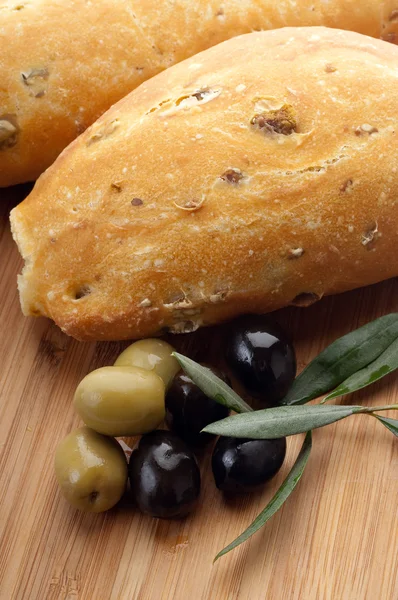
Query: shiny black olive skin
[
  {"x": 241, "y": 465},
  {"x": 189, "y": 410},
  {"x": 261, "y": 357},
  {"x": 164, "y": 476}
]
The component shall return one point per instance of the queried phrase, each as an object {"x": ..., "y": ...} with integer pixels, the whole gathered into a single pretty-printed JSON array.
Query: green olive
[
  {"x": 151, "y": 354},
  {"x": 91, "y": 470},
  {"x": 121, "y": 400}
]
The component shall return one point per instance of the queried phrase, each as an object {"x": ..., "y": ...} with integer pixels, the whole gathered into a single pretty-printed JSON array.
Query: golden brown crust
[
  {"x": 87, "y": 56},
  {"x": 259, "y": 173}
]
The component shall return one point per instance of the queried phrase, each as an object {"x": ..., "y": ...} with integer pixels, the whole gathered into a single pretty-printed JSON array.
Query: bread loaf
[
  {"x": 260, "y": 173},
  {"x": 64, "y": 63}
]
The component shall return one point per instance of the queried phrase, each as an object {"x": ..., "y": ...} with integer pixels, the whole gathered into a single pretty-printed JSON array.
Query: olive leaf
[
  {"x": 211, "y": 385},
  {"x": 350, "y": 363},
  {"x": 281, "y": 421},
  {"x": 343, "y": 358},
  {"x": 279, "y": 498},
  {"x": 385, "y": 364},
  {"x": 391, "y": 424}
]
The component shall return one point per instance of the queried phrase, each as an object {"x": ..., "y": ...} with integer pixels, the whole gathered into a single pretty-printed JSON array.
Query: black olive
[
  {"x": 241, "y": 465},
  {"x": 164, "y": 475},
  {"x": 189, "y": 410},
  {"x": 261, "y": 357}
]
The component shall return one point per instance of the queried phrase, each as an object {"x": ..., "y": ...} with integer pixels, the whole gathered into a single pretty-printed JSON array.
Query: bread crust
[
  {"x": 84, "y": 56},
  {"x": 260, "y": 173}
]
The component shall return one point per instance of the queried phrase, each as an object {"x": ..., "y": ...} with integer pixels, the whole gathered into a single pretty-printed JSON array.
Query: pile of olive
[{"x": 146, "y": 387}]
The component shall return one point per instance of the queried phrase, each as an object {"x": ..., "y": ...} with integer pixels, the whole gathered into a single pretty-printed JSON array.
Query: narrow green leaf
[
  {"x": 391, "y": 424},
  {"x": 281, "y": 421},
  {"x": 385, "y": 364},
  {"x": 278, "y": 500},
  {"x": 211, "y": 385},
  {"x": 343, "y": 358}
]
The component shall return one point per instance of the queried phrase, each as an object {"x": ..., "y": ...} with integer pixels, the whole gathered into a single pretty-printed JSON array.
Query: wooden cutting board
[{"x": 335, "y": 539}]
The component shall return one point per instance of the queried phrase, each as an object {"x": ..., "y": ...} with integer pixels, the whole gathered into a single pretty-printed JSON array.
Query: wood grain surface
[{"x": 335, "y": 539}]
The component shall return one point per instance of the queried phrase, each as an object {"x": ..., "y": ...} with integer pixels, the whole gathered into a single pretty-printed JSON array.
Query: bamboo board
[{"x": 335, "y": 539}]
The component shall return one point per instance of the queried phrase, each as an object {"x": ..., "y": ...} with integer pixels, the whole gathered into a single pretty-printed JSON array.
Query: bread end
[{"x": 26, "y": 292}]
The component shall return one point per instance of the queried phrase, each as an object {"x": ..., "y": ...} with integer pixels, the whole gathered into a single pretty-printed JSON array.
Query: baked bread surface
[
  {"x": 63, "y": 64},
  {"x": 260, "y": 173}
]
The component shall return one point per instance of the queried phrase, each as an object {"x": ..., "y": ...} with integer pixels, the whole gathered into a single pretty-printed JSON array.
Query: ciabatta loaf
[
  {"x": 63, "y": 63},
  {"x": 260, "y": 173}
]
